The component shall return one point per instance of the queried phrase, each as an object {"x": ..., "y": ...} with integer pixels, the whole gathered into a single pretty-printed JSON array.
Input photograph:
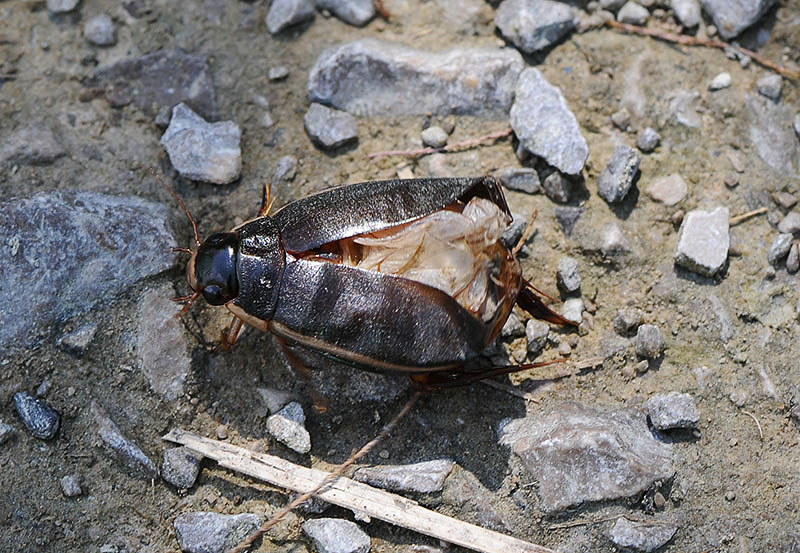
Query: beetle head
[{"x": 212, "y": 269}]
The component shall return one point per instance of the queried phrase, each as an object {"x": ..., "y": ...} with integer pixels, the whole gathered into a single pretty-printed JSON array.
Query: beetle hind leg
[
  {"x": 320, "y": 403},
  {"x": 230, "y": 333},
  {"x": 437, "y": 381}
]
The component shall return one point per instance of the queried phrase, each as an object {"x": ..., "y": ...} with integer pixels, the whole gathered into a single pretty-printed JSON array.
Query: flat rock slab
[
  {"x": 208, "y": 532},
  {"x": 733, "y": 16},
  {"x": 772, "y": 136},
  {"x": 202, "y": 151},
  {"x": 70, "y": 250},
  {"x": 668, "y": 190},
  {"x": 533, "y": 25},
  {"x": 128, "y": 452},
  {"x": 673, "y": 410},
  {"x": 371, "y": 78},
  {"x": 424, "y": 477},
  {"x": 580, "y": 454},
  {"x": 642, "y": 536},
  {"x": 158, "y": 80},
  {"x": 545, "y": 125},
  {"x": 704, "y": 241}
]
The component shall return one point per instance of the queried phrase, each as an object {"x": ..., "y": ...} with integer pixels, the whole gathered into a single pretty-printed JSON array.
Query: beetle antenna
[
  {"x": 332, "y": 477},
  {"x": 180, "y": 202},
  {"x": 182, "y": 250}
]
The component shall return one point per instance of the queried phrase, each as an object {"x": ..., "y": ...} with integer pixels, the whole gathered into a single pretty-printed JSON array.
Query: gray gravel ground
[{"x": 83, "y": 106}]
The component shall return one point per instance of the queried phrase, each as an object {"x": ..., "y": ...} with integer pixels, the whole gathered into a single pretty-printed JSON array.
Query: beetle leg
[
  {"x": 320, "y": 403},
  {"x": 436, "y": 381},
  {"x": 266, "y": 203},
  {"x": 532, "y": 303},
  {"x": 231, "y": 333}
]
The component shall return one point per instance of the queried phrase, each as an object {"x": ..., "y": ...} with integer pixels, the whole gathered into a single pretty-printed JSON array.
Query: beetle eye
[{"x": 215, "y": 268}]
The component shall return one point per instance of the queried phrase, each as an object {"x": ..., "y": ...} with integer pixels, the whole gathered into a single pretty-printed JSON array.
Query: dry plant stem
[
  {"x": 277, "y": 517},
  {"x": 758, "y": 424},
  {"x": 687, "y": 40},
  {"x": 455, "y": 147},
  {"x": 736, "y": 219},
  {"x": 346, "y": 493}
]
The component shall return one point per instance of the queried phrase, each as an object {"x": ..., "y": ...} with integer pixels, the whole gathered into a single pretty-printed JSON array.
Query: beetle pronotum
[{"x": 404, "y": 276}]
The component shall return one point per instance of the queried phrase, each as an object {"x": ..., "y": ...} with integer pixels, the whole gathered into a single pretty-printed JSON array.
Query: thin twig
[
  {"x": 755, "y": 420},
  {"x": 583, "y": 522},
  {"x": 687, "y": 40},
  {"x": 736, "y": 219},
  {"x": 337, "y": 472},
  {"x": 455, "y": 147}
]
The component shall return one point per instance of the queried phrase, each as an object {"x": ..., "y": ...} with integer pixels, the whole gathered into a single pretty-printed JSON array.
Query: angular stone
[
  {"x": 687, "y": 12},
  {"x": 633, "y": 13},
  {"x": 424, "y": 477},
  {"x": 371, "y": 78},
  {"x": 572, "y": 309},
  {"x": 627, "y": 320},
  {"x": 790, "y": 224},
  {"x": 722, "y": 80},
  {"x": 208, "y": 152},
  {"x": 286, "y": 13},
  {"x": 557, "y": 187},
  {"x": 41, "y": 420},
  {"x": 616, "y": 179},
  {"x": 580, "y": 454},
  {"x": 206, "y": 532},
  {"x": 793, "y": 258},
  {"x": 673, "y": 410},
  {"x": 649, "y": 341},
  {"x": 523, "y": 180},
  {"x": 335, "y": 535},
  {"x": 77, "y": 342},
  {"x": 533, "y": 25},
  {"x": 330, "y": 128},
  {"x": 779, "y": 248},
  {"x": 161, "y": 346},
  {"x": 513, "y": 328},
  {"x": 162, "y": 78},
  {"x": 770, "y": 86},
  {"x": 274, "y": 400},
  {"x": 567, "y": 276},
  {"x": 6, "y": 431},
  {"x": 544, "y": 124},
  {"x": 567, "y": 218},
  {"x": 613, "y": 241},
  {"x": 536, "y": 333},
  {"x": 772, "y": 136},
  {"x": 354, "y": 12},
  {"x": 180, "y": 467},
  {"x": 99, "y": 30},
  {"x": 37, "y": 143},
  {"x": 731, "y": 17},
  {"x": 61, "y": 6},
  {"x": 642, "y": 536},
  {"x": 127, "y": 451},
  {"x": 668, "y": 190},
  {"x": 71, "y": 485},
  {"x": 435, "y": 137},
  {"x": 704, "y": 241},
  {"x": 287, "y": 426},
  {"x": 93, "y": 245},
  {"x": 683, "y": 107}
]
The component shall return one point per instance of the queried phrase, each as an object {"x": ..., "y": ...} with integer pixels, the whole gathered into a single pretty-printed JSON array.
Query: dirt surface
[{"x": 736, "y": 486}]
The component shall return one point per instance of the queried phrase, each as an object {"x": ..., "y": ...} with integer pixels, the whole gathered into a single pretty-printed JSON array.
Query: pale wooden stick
[
  {"x": 389, "y": 507},
  {"x": 736, "y": 219}
]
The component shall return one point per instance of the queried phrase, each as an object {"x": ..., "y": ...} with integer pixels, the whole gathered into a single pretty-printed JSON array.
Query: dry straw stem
[
  {"x": 349, "y": 494},
  {"x": 736, "y": 219},
  {"x": 455, "y": 147},
  {"x": 687, "y": 40}
]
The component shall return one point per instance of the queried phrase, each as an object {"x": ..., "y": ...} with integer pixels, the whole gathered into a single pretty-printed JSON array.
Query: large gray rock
[
  {"x": 544, "y": 124},
  {"x": 158, "y": 80},
  {"x": 70, "y": 250},
  {"x": 772, "y": 135},
  {"x": 206, "y": 532},
  {"x": 704, "y": 241},
  {"x": 208, "y": 152},
  {"x": 580, "y": 454},
  {"x": 733, "y": 16},
  {"x": 534, "y": 24},
  {"x": 370, "y": 77}
]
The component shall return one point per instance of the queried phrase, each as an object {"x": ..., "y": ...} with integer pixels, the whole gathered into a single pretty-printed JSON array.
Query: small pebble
[
  {"x": 633, "y": 13},
  {"x": 512, "y": 328},
  {"x": 567, "y": 275},
  {"x": 536, "y": 333},
  {"x": 180, "y": 467},
  {"x": 780, "y": 248},
  {"x": 208, "y": 532},
  {"x": 723, "y": 80},
  {"x": 564, "y": 349},
  {"x": 704, "y": 241},
  {"x": 328, "y": 127},
  {"x": 99, "y": 30},
  {"x": 557, "y": 187},
  {"x": 435, "y": 137},
  {"x": 61, "y": 6},
  {"x": 222, "y": 432},
  {"x": 673, "y": 410},
  {"x": 731, "y": 180},
  {"x": 649, "y": 341},
  {"x": 797, "y": 124},
  {"x": 616, "y": 179},
  {"x": 285, "y": 170},
  {"x": 791, "y": 223},
  {"x": 335, "y": 535},
  {"x": 648, "y": 140},
  {"x": 659, "y": 500},
  {"x": 622, "y": 119},
  {"x": 287, "y": 426},
  {"x": 730, "y": 495},
  {"x": 785, "y": 200},
  {"x": 286, "y": 13},
  {"x": 641, "y": 536},
  {"x": 6, "y": 431},
  {"x": 71, "y": 486},
  {"x": 41, "y": 420},
  {"x": 641, "y": 367},
  {"x": 77, "y": 342},
  {"x": 793, "y": 259},
  {"x": 687, "y": 12},
  {"x": 668, "y": 190},
  {"x": 770, "y": 86},
  {"x": 573, "y": 309},
  {"x": 522, "y": 180},
  {"x": 278, "y": 73},
  {"x": 613, "y": 242}
]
